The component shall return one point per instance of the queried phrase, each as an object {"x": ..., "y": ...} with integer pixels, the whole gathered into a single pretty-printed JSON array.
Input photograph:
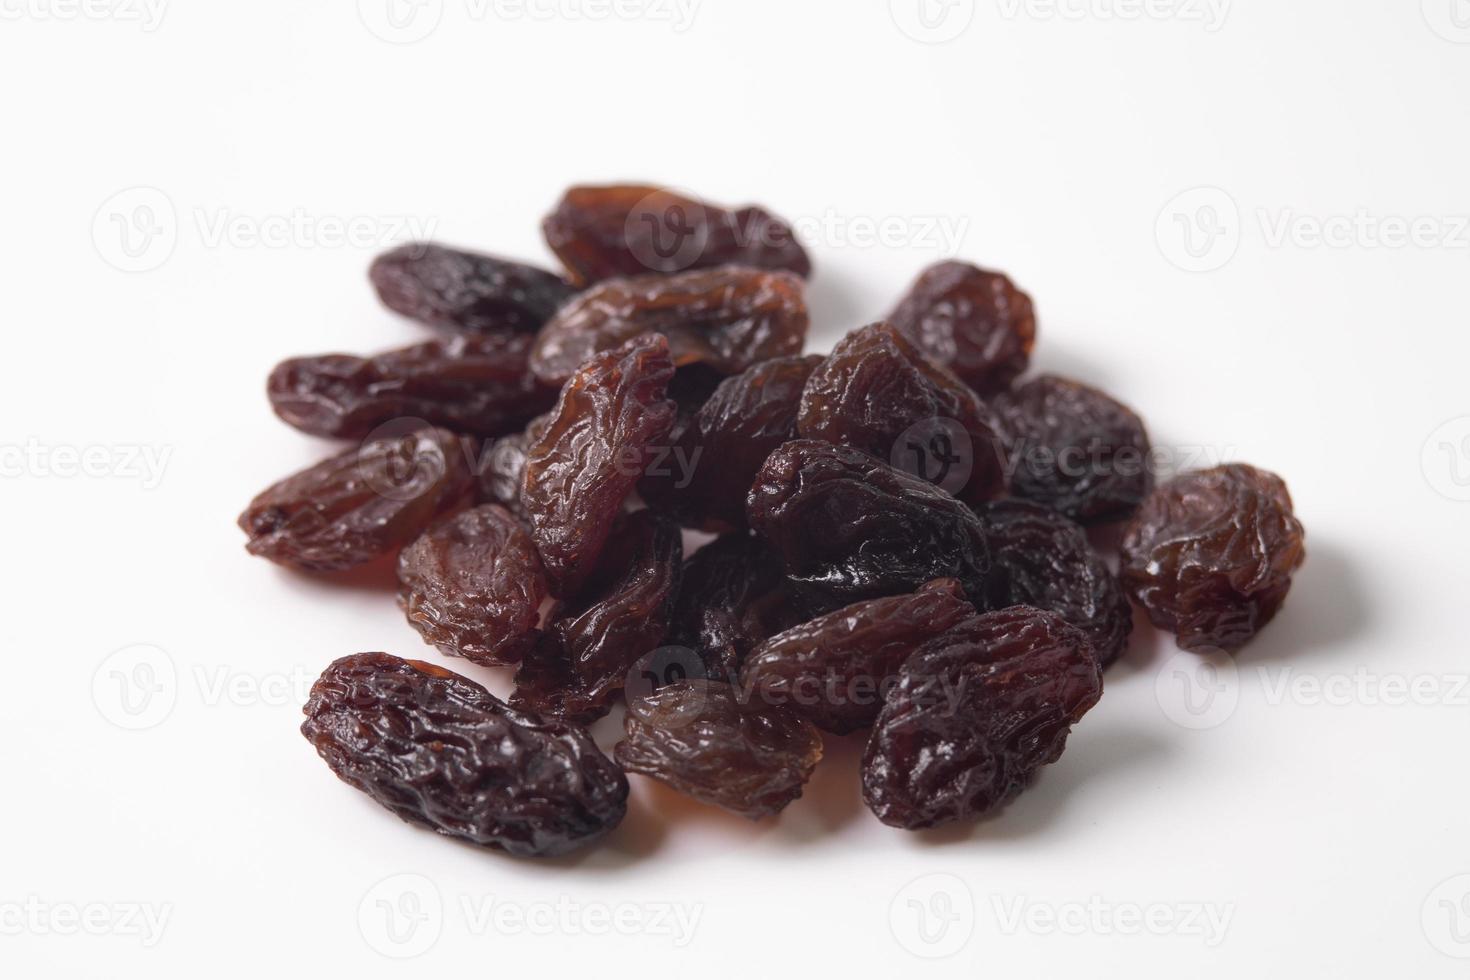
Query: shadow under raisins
[
  {"x": 633, "y": 841},
  {"x": 1327, "y": 606},
  {"x": 377, "y": 576},
  {"x": 830, "y": 298},
  {"x": 833, "y": 797}
]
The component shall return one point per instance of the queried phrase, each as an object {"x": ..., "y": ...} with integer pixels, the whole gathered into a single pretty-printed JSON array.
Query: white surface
[{"x": 1329, "y": 830}]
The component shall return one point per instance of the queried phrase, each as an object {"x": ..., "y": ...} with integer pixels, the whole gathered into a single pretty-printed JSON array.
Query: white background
[{"x": 1312, "y": 806}]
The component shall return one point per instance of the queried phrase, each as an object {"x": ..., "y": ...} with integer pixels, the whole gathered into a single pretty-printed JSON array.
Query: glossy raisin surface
[
  {"x": 724, "y": 319},
  {"x": 835, "y": 670},
  {"x": 974, "y": 714},
  {"x": 1211, "y": 555},
  {"x": 472, "y": 585},
  {"x": 457, "y": 290},
  {"x": 973, "y": 321},
  {"x": 849, "y": 527},
  {"x": 1042, "y": 559},
  {"x": 877, "y": 392},
  {"x": 475, "y": 384},
  {"x": 582, "y": 463},
  {"x": 1075, "y": 450},
  {"x": 699, "y": 738},
  {"x": 704, "y": 477},
  {"x": 442, "y": 752},
  {"x": 630, "y": 230},
  {"x": 360, "y": 505}
]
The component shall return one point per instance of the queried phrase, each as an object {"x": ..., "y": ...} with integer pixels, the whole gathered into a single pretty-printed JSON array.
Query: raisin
[
  {"x": 628, "y": 230},
  {"x": 360, "y": 505},
  {"x": 451, "y": 289},
  {"x": 878, "y": 393},
  {"x": 972, "y": 321},
  {"x": 699, "y": 738},
  {"x": 1075, "y": 450},
  {"x": 724, "y": 319},
  {"x": 704, "y": 477},
  {"x": 834, "y": 670},
  {"x": 1211, "y": 554},
  {"x": 1042, "y": 559},
  {"x": 502, "y": 469},
  {"x": 583, "y": 462},
  {"x": 583, "y": 659},
  {"x": 850, "y": 527},
  {"x": 440, "y": 751},
  {"x": 974, "y": 714},
  {"x": 475, "y": 384},
  {"x": 472, "y": 585}
]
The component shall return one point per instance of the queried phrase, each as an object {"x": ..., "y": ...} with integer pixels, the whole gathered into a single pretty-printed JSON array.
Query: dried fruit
[
  {"x": 583, "y": 462},
  {"x": 1075, "y": 450},
  {"x": 629, "y": 230},
  {"x": 475, "y": 384},
  {"x": 703, "y": 478},
  {"x": 974, "y": 714},
  {"x": 835, "y": 670},
  {"x": 502, "y": 472},
  {"x": 876, "y": 392},
  {"x": 1042, "y": 559},
  {"x": 699, "y": 738},
  {"x": 972, "y": 321},
  {"x": 360, "y": 505},
  {"x": 1211, "y": 554},
  {"x": 472, "y": 585},
  {"x": 725, "y": 319},
  {"x": 582, "y": 661},
  {"x": 448, "y": 288},
  {"x": 849, "y": 527}
]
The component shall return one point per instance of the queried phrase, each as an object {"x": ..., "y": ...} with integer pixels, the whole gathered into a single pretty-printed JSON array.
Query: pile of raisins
[{"x": 629, "y": 484}]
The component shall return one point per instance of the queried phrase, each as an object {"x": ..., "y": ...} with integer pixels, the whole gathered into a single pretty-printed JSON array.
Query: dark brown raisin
[
  {"x": 850, "y": 527},
  {"x": 442, "y": 752},
  {"x": 974, "y": 714},
  {"x": 448, "y": 288},
  {"x": 475, "y": 384},
  {"x": 583, "y": 462},
  {"x": 724, "y": 319},
  {"x": 1075, "y": 450},
  {"x": 1211, "y": 554},
  {"x": 360, "y": 505},
  {"x": 472, "y": 585},
  {"x": 972, "y": 321},
  {"x": 699, "y": 738},
  {"x": 834, "y": 670},
  {"x": 629, "y": 230}
]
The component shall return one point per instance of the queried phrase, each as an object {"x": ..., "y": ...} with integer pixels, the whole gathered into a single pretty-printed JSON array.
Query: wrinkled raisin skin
[
  {"x": 1075, "y": 450},
  {"x": 974, "y": 714},
  {"x": 475, "y": 384},
  {"x": 972, "y": 321},
  {"x": 456, "y": 290},
  {"x": 1042, "y": 559},
  {"x": 835, "y": 669},
  {"x": 1210, "y": 555},
  {"x": 724, "y": 320},
  {"x": 584, "y": 461},
  {"x": 699, "y": 738},
  {"x": 360, "y": 505},
  {"x": 442, "y": 752},
  {"x": 627, "y": 230},
  {"x": 472, "y": 586}
]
